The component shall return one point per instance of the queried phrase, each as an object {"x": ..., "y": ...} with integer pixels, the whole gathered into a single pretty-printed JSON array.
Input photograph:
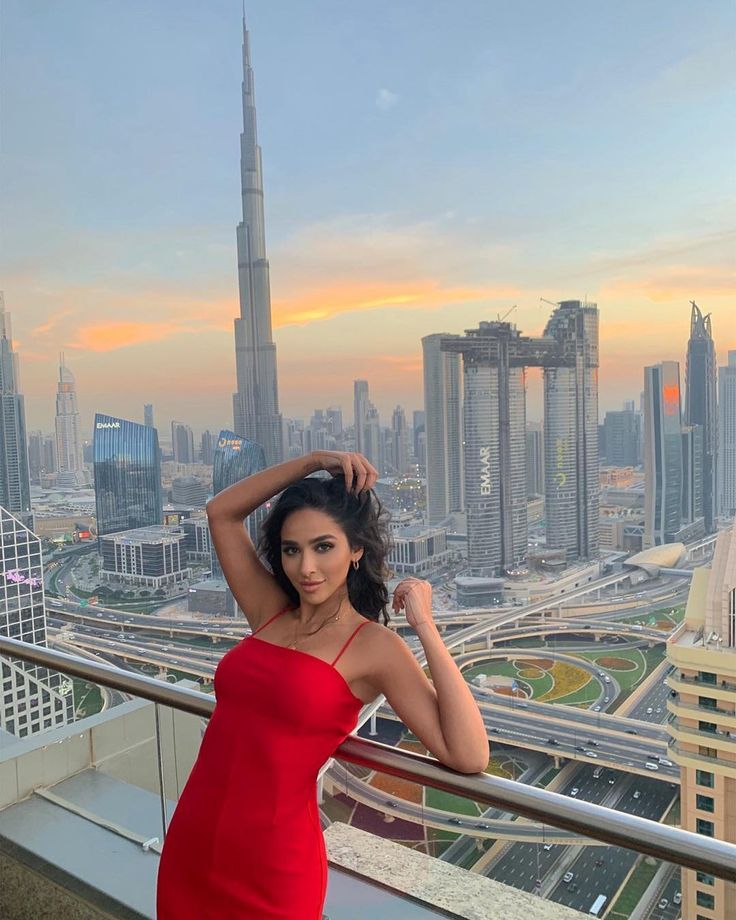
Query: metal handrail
[{"x": 604, "y": 824}]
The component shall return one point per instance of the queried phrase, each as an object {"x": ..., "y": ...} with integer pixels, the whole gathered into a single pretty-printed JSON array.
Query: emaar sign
[
  {"x": 108, "y": 424},
  {"x": 485, "y": 471}
]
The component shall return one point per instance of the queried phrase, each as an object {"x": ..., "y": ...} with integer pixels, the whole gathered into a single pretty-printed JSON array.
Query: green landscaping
[
  {"x": 87, "y": 698},
  {"x": 536, "y": 686},
  {"x": 633, "y": 890}
]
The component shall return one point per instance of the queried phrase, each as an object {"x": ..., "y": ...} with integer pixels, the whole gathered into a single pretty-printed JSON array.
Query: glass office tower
[{"x": 127, "y": 464}]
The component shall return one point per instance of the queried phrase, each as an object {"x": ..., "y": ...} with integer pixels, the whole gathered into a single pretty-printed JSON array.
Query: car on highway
[
  {"x": 568, "y": 876},
  {"x": 637, "y": 793},
  {"x": 553, "y": 741},
  {"x": 651, "y": 766},
  {"x": 631, "y": 731},
  {"x": 391, "y": 803},
  {"x": 677, "y": 899},
  {"x": 590, "y": 753},
  {"x": 611, "y": 780},
  {"x": 547, "y": 846},
  {"x": 607, "y": 679},
  {"x": 494, "y": 730},
  {"x": 574, "y": 791},
  {"x": 606, "y": 699},
  {"x": 663, "y": 904},
  {"x": 483, "y": 827},
  {"x": 665, "y": 762},
  {"x": 592, "y": 742},
  {"x": 650, "y": 710},
  {"x": 596, "y": 709},
  {"x": 454, "y": 821}
]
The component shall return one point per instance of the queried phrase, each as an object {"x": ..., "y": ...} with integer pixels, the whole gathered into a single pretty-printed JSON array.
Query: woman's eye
[{"x": 327, "y": 545}]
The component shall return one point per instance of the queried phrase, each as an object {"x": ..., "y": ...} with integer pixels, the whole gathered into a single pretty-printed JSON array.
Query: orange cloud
[
  {"x": 358, "y": 297},
  {"x": 111, "y": 336}
]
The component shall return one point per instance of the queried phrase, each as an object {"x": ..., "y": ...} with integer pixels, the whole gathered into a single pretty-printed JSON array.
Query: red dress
[{"x": 245, "y": 841}]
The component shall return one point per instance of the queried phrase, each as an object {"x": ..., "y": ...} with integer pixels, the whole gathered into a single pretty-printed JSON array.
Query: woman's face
[{"x": 315, "y": 554}]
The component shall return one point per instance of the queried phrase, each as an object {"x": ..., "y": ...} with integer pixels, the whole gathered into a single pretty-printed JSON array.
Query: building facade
[
  {"x": 236, "y": 458},
  {"x": 151, "y": 557},
  {"x": 15, "y": 480},
  {"x": 571, "y": 431},
  {"x": 256, "y": 403},
  {"x": 701, "y": 405},
  {"x": 127, "y": 470},
  {"x": 622, "y": 437},
  {"x": 418, "y": 551},
  {"x": 703, "y": 722},
  {"x": 32, "y": 698},
  {"x": 727, "y": 438},
  {"x": 182, "y": 442},
  {"x": 534, "y": 459},
  {"x": 443, "y": 430},
  {"x": 71, "y": 471}
]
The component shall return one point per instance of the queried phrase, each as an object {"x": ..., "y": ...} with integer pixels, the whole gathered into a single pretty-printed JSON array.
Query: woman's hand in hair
[
  {"x": 360, "y": 475},
  {"x": 414, "y": 597}
]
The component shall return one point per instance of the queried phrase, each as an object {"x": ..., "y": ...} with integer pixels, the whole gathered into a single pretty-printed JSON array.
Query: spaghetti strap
[
  {"x": 274, "y": 617},
  {"x": 349, "y": 640}
]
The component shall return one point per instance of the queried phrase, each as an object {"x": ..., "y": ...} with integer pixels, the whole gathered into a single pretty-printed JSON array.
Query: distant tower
[
  {"x": 400, "y": 443},
  {"x": 256, "y": 403},
  {"x": 727, "y": 438},
  {"x": 571, "y": 431},
  {"x": 148, "y": 415},
  {"x": 182, "y": 442},
  {"x": 442, "y": 421},
  {"x": 15, "y": 484},
  {"x": 360, "y": 413},
  {"x": 534, "y": 459},
  {"x": 70, "y": 463},
  {"x": 127, "y": 464},
  {"x": 701, "y": 404},
  {"x": 662, "y": 454}
]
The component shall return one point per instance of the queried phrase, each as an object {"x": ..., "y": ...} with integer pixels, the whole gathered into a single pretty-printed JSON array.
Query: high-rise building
[
  {"x": 623, "y": 437},
  {"x": 127, "y": 466},
  {"x": 31, "y": 697},
  {"x": 236, "y": 458},
  {"x": 148, "y": 415},
  {"x": 534, "y": 459},
  {"x": 702, "y": 701},
  {"x": 662, "y": 453},
  {"x": 494, "y": 437},
  {"x": 701, "y": 404},
  {"x": 182, "y": 442},
  {"x": 256, "y": 403},
  {"x": 360, "y": 413},
  {"x": 673, "y": 462},
  {"x": 15, "y": 480},
  {"x": 334, "y": 421},
  {"x": 207, "y": 448},
  {"x": 372, "y": 439},
  {"x": 443, "y": 428},
  {"x": 727, "y": 438},
  {"x": 571, "y": 431},
  {"x": 35, "y": 462},
  {"x": 400, "y": 442},
  {"x": 71, "y": 471}
]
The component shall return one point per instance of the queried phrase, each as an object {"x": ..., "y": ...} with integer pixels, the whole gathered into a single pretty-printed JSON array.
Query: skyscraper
[
  {"x": 400, "y": 442},
  {"x": 571, "y": 431},
  {"x": 148, "y": 415},
  {"x": 127, "y": 465},
  {"x": 701, "y": 705},
  {"x": 623, "y": 437},
  {"x": 443, "y": 428},
  {"x": 256, "y": 403},
  {"x": 662, "y": 453},
  {"x": 182, "y": 442},
  {"x": 236, "y": 458},
  {"x": 207, "y": 448},
  {"x": 15, "y": 484},
  {"x": 701, "y": 404},
  {"x": 727, "y": 438},
  {"x": 71, "y": 471},
  {"x": 360, "y": 413},
  {"x": 31, "y": 697}
]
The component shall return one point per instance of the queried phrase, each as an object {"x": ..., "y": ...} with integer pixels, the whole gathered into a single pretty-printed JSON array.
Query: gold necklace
[{"x": 335, "y": 616}]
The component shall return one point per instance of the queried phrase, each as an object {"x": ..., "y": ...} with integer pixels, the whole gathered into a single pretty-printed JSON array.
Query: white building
[{"x": 418, "y": 550}]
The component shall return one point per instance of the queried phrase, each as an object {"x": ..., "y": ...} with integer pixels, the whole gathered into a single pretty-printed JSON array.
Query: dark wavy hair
[{"x": 364, "y": 521}]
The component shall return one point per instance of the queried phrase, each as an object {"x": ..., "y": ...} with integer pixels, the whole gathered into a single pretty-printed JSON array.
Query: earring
[{"x": 356, "y": 564}]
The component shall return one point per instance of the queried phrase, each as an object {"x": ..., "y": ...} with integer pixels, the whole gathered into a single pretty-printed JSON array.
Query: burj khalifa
[{"x": 256, "y": 413}]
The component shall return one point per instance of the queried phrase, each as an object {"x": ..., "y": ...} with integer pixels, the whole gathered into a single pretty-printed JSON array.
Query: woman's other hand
[
  {"x": 414, "y": 597},
  {"x": 360, "y": 475}
]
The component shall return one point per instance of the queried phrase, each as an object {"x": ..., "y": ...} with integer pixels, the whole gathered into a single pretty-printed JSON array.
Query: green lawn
[
  {"x": 87, "y": 698},
  {"x": 633, "y": 890},
  {"x": 626, "y": 679},
  {"x": 537, "y": 685},
  {"x": 456, "y": 804}
]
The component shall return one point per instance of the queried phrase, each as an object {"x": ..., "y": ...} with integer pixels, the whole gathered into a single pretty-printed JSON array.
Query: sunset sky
[{"x": 427, "y": 165}]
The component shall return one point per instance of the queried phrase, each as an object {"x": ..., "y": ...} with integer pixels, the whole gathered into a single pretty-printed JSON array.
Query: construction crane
[
  {"x": 507, "y": 313},
  {"x": 550, "y": 302}
]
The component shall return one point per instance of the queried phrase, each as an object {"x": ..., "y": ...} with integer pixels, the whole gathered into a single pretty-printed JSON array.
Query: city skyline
[{"x": 138, "y": 283}]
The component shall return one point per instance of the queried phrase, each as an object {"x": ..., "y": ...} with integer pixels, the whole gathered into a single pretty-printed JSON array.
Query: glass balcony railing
[{"x": 84, "y": 810}]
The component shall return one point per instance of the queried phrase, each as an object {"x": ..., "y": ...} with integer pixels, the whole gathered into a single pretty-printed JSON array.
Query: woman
[{"x": 245, "y": 840}]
